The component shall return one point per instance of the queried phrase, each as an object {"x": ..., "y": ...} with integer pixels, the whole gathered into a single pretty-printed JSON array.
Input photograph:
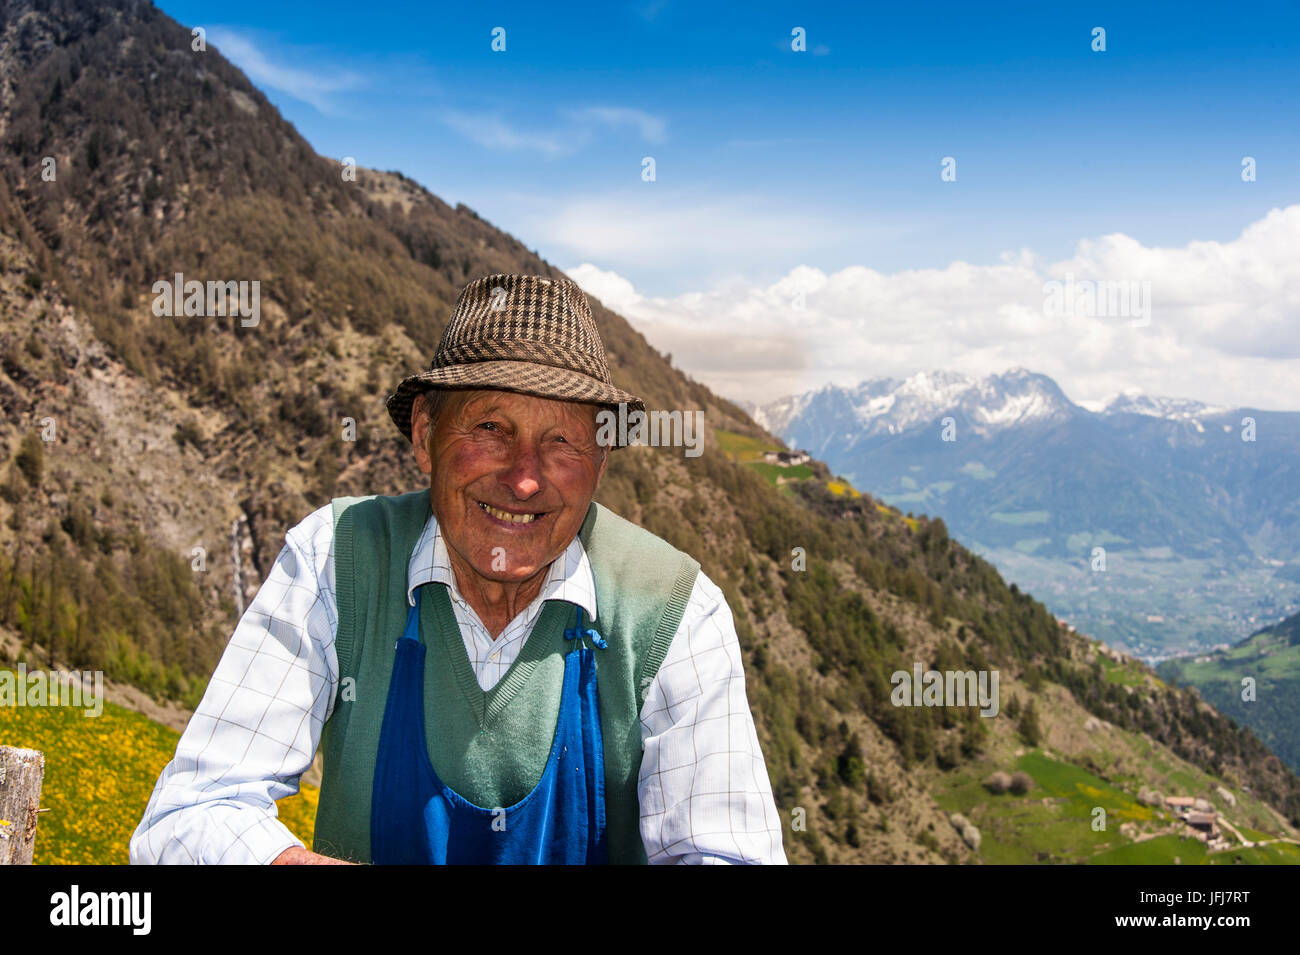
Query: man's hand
[{"x": 297, "y": 855}]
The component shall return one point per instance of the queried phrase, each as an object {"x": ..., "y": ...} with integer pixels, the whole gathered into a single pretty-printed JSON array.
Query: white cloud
[
  {"x": 582, "y": 126},
  {"x": 492, "y": 132},
  {"x": 1224, "y": 321},
  {"x": 1241, "y": 297},
  {"x": 614, "y": 291},
  {"x": 316, "y": 88},
  {"x": 653, "y": 129}
]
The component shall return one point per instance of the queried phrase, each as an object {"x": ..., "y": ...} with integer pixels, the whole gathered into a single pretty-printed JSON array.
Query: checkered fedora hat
[{"x": 525, "y": 333}]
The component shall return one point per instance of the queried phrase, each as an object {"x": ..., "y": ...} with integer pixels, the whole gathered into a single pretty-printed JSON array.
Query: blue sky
[{"x": 769, "y": 160}]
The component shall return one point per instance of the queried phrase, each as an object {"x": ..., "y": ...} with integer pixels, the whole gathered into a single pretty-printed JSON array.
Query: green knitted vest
[{"x": 490, "y": 747}]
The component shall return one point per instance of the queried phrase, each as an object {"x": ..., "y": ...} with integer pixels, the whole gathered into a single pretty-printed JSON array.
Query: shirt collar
[{"x": 568, "y": 577}]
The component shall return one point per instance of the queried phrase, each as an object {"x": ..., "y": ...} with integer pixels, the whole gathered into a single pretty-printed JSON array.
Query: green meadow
[
  {"x": 746, "y": 450},
  {"x": 1053, "y": 821}
]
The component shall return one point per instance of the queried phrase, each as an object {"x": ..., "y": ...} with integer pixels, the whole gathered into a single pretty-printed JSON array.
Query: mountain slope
[
  {"x": 131, "y": 439},
  {"x": 1270, "y": 660}
]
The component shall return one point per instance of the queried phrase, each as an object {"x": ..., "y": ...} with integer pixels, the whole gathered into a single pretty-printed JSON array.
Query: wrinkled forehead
[{"x": 466, "y": 403}]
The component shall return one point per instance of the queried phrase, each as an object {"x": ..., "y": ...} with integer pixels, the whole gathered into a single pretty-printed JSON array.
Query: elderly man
[{"x": 497, "y": 669}]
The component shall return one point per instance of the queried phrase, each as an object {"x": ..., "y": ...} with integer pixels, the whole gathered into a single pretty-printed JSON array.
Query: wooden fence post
[{"x": 21, "y": 771}]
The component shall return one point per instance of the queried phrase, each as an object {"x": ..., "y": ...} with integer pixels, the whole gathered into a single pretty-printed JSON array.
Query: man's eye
[{"x": 489, "y": 424}]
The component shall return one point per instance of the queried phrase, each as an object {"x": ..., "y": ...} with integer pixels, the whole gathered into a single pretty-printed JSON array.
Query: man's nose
[{"x": 524, "y": 473}]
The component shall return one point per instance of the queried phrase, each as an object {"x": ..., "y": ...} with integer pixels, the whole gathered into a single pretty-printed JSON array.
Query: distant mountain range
[{"x": 1198, "y": 524}]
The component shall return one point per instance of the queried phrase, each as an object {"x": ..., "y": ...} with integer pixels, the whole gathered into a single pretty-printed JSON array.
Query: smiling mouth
[{"x": 508, "y": 516}]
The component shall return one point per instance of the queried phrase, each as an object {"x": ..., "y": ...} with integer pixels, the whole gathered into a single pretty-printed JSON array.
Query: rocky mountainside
[{"x": 150, "y": 464}]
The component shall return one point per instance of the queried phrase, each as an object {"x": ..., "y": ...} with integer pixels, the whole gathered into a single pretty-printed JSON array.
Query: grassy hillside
[{"x": 1053, "y": 820}]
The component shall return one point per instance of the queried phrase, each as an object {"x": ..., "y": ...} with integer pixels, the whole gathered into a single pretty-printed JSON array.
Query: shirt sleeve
[
  {"x": 704, "y": 789},
  {"x": 256, "y": 730}
]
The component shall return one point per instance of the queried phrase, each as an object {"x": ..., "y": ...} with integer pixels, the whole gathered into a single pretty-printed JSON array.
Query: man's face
[{"x": 498, "y": 451}]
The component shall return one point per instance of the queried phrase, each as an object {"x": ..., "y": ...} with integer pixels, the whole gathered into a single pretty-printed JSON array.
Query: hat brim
[{"x": 522, "y": 377}]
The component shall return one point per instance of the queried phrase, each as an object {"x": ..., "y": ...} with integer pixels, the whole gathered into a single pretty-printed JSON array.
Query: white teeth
[{"x": 505, "y": 516}]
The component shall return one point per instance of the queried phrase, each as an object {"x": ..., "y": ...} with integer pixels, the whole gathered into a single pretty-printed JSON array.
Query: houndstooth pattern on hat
[
  {"x": 526, "y": 333},
  {"x": 518, "y": 318}
]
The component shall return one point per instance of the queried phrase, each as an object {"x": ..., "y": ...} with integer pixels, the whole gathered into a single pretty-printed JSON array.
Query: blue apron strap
[
  {"x": 412, "y": 629},
  {"x": 578, "y": 632}
]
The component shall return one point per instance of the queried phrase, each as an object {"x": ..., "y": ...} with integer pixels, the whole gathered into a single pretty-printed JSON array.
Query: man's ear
[{"x": 420, "y": 437}]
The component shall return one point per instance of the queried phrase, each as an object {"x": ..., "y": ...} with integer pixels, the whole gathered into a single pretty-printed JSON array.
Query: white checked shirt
[{"x": 703, "y": 787}]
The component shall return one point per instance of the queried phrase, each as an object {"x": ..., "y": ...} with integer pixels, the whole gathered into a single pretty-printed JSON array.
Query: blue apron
[{"x": 416, "y": 819}]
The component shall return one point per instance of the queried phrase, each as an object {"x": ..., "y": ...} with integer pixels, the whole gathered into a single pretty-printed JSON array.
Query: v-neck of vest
[{"x": 487, "y": 705}]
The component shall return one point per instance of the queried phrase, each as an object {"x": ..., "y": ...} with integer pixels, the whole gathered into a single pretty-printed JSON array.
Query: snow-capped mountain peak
[
  {"x": 991, "y": 403},
  {"x": 1132, "y": 401}
]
